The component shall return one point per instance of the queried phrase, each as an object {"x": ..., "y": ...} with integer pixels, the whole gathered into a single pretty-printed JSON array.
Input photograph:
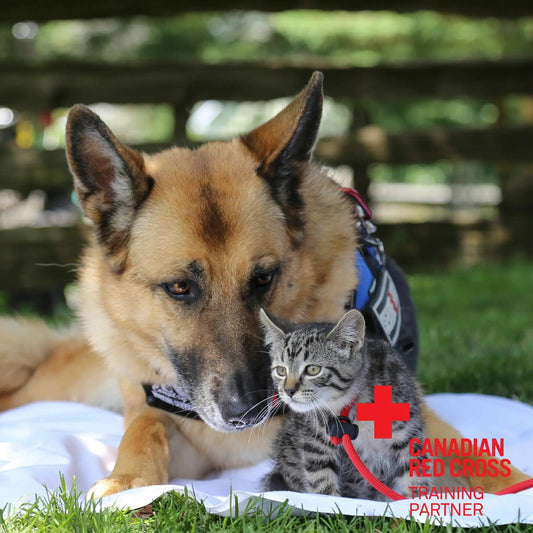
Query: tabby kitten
[{"x": 317, "y": 369}]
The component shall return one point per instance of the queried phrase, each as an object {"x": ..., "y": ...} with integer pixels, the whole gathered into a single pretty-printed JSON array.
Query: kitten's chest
[
  {"x": 366, "y": 441},
  {"x": 376, "y": 454}
]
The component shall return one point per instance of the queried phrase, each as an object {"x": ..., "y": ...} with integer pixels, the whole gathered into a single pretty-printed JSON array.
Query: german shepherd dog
[{"x": 187, "y": 247}]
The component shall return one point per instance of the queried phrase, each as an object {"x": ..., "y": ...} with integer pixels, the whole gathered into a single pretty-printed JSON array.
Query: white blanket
[{"x": 41, "y": 440}]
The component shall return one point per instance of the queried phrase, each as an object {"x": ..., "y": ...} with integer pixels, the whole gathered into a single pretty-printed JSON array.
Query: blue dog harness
[
  {"x": 382, "y": 296},
  {"x": 376, "y": 294}
]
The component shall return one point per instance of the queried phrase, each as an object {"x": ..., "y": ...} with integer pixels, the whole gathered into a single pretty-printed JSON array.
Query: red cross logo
[{"x": 383, "y": 412}]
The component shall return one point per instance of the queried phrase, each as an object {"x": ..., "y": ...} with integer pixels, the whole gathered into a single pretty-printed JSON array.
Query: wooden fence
[
  {"x": 27, "y": 255},
  {"x": 15, "y": 10}
]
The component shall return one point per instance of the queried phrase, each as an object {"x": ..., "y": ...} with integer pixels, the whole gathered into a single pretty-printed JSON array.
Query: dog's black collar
[{"x": 170, "y": 398}]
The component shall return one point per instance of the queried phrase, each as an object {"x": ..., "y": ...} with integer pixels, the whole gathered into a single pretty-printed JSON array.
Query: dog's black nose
[
  {"x": 243, "y": 414},
  {"x": 237, "y": 423},
  {"x": 241, "y": 404}
]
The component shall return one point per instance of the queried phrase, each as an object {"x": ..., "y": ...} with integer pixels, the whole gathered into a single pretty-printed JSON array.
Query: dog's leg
[
  {"x": 439, "y": 429},
  {"x": 150, "y": 440},
  {"x": 143, "y": 457},
  {"x": 24, "y": 345},
  {"x": 38, "y": 363}
]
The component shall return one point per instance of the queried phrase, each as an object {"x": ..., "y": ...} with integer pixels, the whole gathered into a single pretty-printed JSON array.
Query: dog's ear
[
  {"x": 284, "y": 144},
  {"x": 109, "y": 179}
]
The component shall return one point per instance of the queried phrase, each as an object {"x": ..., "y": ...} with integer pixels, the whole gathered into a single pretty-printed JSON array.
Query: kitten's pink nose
[{"x": 291, "y": 390}]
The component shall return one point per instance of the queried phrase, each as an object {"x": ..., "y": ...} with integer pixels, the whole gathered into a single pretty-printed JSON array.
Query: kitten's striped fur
[{"x": 350, "y": 366}]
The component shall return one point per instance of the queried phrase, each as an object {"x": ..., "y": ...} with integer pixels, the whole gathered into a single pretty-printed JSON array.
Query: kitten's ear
[
  {"x": 109, "y": 178},
  {"x": 350, "y": 329},
  {"x": 273, "y": 333}
]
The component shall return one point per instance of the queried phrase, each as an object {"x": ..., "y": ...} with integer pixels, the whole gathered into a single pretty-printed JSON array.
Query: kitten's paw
[
  {"x": 275, "y": 481},
  {"x": 408, "y": 486},
  {"x": 114, "y": 484}
]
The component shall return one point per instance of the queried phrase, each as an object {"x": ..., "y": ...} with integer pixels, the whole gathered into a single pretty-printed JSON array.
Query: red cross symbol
[{"x": 382, "y": 411}]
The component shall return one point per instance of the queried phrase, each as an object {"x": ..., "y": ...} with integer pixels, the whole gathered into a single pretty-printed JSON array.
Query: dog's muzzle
[{"x": 239, "y": 410}]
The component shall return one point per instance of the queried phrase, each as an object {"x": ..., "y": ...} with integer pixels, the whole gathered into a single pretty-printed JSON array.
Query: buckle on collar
[
  {"x": 339, "y": 426},
  {"x": 367, "y": 213}
]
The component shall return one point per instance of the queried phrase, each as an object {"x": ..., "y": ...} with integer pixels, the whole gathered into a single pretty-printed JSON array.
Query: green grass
[
  {"x": 476, "y": 329},
  {"x": 64, "y": 511},
  {"x": 476, "y": 336}
]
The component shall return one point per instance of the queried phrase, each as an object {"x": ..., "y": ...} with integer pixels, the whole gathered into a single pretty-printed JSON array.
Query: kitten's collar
[
  {"x": 347, "y": 408},
  {"x": 338, "y": 426}
]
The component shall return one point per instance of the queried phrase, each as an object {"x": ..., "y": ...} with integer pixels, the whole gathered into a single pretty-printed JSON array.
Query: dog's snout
[
  {"x": 237, "y": 423},
  {"x": 241, "y": 403},
  {"x": 248, "y": 417}
]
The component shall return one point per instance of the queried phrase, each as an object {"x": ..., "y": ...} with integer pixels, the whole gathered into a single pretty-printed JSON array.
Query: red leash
[
  {"x": 345, "y": 425},
  {"x": 517, "y": 487},
  {"x": 343, "y": 421},
  {"x": 365, "y": 472}
]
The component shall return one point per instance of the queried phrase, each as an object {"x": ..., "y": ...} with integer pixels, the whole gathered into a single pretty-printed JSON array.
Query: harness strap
[
  {"x": 367, "y": 213},
  {"x": 376, "y": 295}
]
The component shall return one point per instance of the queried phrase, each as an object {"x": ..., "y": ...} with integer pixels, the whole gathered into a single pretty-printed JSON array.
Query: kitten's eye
[
  {"x": 313, "y": 370},
  {"x": 281, "y": 371}
]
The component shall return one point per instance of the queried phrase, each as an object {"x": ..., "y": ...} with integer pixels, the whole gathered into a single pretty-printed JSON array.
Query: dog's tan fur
[{"x": 217, "y": 212}]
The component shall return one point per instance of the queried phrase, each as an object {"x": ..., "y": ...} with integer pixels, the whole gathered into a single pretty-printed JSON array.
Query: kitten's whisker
[
  {"x": 255, "y": 335},
  {"x": 255, "y": 405},
  {"x": 255, "y": 391},
  {"x": 267, "y": 412},
  {"x": 317, "y": 412},
  {"x": 330, "y": 410},
  {"x": 263, "y": 414}
]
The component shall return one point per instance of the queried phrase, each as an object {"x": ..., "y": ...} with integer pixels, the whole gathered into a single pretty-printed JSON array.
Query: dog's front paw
[{"x": 114, "y": 484}]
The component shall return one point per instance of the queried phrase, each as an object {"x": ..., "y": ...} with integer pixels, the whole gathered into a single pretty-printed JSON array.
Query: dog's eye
[
  {"x": 264, "y": 279},
  {"x": 180, "y": 289},
  {"x": 261, "y": 282}
]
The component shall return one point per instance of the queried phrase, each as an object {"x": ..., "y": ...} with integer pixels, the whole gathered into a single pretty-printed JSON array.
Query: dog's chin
[
  {"x": 176, "y": 395},
  {"x": 226, "y": 427},
  {"x": 218, "y": 423}
]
